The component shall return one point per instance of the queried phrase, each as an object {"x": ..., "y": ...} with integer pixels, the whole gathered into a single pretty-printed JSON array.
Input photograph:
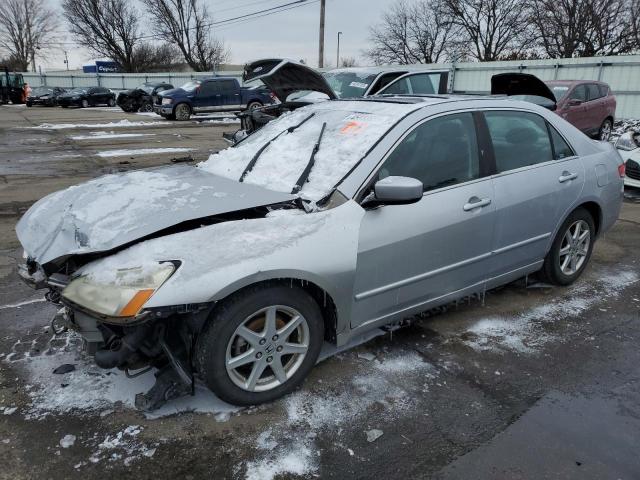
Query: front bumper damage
[{"x": 160, "y": 340}]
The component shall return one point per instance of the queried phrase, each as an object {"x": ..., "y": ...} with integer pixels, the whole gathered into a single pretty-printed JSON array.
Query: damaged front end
[
  {"x": 124, "y": 334},
  {"x": 70, "y": 238}
]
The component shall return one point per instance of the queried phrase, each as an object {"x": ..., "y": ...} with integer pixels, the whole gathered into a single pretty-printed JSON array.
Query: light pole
[
  {"x": 66, "y": 59},
  {"x": 338, "y": 54}
]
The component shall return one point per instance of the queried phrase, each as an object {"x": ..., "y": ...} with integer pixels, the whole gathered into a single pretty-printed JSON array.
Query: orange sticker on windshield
[{"x": 352, "y": 127}]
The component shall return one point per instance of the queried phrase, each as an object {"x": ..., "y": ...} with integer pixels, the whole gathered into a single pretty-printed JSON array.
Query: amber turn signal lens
[{"x": 136, "y": 303}]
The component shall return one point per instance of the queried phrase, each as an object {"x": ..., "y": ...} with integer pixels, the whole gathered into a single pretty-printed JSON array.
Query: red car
[{"x": 588, "y": 105}]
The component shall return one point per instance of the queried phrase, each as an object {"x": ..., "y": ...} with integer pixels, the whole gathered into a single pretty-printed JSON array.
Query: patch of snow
[
  {"x": 525, "y": 332},
  {"x": 289, "y": 445},
  {"x": 124, "y": 446},
  {"x": 352, "y": 128},
  {"x": 367, "y": 356},
  {"x": 373, "y": 435},
  {"x": 22, "y": 303},
  {"x": 110, "y": 135},
  {"x": 142, "y": 151},
  {"x": 67, "y": 441},
  {"x": 119, "y": 124},
  {"x": 8, "y": 410}
]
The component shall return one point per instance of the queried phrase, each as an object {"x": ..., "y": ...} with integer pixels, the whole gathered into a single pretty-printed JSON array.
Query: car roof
[
  {"x": 573, "y": 82},
  {"x": 425, "y": 101},
  {"x": 386, "y": 69}
]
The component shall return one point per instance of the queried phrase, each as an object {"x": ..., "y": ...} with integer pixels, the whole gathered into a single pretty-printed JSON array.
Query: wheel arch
[
  {"x": 182, "y": 102},
  {"x": 591, "y": 206},
  {"x": 321, "y": 295}
]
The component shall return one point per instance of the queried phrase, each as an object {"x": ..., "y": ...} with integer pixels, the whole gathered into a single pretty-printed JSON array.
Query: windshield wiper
[
  {"x": 255, "y": 158},
  {"x": 305, "y": 174}
]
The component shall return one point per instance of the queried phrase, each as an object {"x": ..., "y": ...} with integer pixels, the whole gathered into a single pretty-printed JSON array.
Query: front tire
[
  {"x": 84, "y": 104},
  {"x": 604, "y": 134},
  {"x": 182, "y": 112},
  {"x": 146, "y": 107},
  {"x": 112, "y": 102},
  {"x": 571, "y": 249},
  {"x": 260, "y": 344}
]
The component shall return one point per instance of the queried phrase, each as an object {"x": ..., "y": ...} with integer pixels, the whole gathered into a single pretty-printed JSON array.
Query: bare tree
[
  {"x": 411, "y": 33},
  {"x": 188, "y": 25},
  {"x": 26, "y": 26},
  {"x": 106, "y": 27},
  {"x": 585, "y": 28},
  {"x": 157, "y": 58},
  {"x": 490, "y": 29},
  {"x": 347, "y": 62}
]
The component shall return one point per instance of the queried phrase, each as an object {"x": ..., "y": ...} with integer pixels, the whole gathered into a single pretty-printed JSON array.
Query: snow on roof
[{"x": 353, "y": 127}]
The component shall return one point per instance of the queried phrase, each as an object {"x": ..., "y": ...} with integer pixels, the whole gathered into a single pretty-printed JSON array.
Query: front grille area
[{"x": 632, "y": 170}]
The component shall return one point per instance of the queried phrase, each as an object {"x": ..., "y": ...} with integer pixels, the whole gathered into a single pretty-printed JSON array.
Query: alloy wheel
[
  {"x": 267, "y": 348},
  {"x": 574, "y": 247},
  {"x": 182, "y": 112},
  {"x": 85, "y": 103},
  {"x": 605, "y": 131}
]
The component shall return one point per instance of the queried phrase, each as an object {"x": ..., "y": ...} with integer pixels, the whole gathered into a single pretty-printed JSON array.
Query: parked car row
[{"x": 75, "y": 97}]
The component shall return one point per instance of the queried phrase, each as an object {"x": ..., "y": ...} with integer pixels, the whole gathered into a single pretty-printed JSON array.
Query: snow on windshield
[{"x": 352, "y": 129}]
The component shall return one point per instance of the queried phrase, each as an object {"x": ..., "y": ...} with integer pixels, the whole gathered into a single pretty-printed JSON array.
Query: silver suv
[{"x": 332, "y": 220}]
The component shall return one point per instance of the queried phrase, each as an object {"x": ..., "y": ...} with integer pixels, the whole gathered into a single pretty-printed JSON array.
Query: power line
[{"x": 227, "y": 25}]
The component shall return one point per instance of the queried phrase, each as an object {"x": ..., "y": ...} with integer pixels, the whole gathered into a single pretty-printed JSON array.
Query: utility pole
[
  {"x": 66, "y": 59},
  {"x": 321, "y": 49},
  {"x": 338, "y": 53}
]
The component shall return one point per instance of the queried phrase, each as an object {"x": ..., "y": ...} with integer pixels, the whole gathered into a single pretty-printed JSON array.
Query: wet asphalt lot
[{"x": 527, "y": 383}]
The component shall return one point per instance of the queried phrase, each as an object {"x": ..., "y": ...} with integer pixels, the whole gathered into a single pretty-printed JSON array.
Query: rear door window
[
  {"x": 520, "y": 139},
  {"x": 561, "y": 148},
  {"x": 209, "y": 88},
  {"x": 593, "y": 91},
  {"x": 227, "y": 86}
]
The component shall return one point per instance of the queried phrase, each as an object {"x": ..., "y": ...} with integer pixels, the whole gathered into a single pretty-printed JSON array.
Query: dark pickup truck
[{"x": 218, "y": 94}]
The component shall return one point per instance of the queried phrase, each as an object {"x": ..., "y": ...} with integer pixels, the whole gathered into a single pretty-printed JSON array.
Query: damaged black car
[{"x": 141, "y": 98}]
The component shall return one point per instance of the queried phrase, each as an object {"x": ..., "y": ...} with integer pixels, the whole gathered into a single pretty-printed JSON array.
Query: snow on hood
[
  {"x": 353, "y": 127},
  {"x": 115, "y": 210},
  {"x": 236, "y": 243}
]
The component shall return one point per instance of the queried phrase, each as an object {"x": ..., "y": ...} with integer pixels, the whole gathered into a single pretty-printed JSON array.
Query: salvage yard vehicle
[
  {"x": 141, "y": 98},
  {"x": 87, "y": 97},
  {"x": 329, "y": 222},
  {"x": 46, "y": 96},
  {"x": 588, "y": 105},
  {"x": 628, "y": 145},
  {"x": 217, "y": 94},
  {"x": 11, "y": 86},
  {"x": 297, "y": 85}
]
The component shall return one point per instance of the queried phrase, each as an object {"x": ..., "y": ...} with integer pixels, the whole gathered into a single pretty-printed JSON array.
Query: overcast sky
[{"x": 290, "y": 34}]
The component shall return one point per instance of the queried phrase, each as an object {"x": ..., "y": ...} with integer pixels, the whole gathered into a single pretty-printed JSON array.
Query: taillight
[
  {"x": 273, "y": 96},
  {"x": 621, "y": 170}
]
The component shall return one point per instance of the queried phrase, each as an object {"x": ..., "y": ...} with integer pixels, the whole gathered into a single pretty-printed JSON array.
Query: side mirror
[
  {"x": 574, "y": 102},
  {"x": 397, "y": 190}
]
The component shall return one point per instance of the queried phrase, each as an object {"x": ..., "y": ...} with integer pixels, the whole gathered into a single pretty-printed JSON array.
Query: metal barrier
[{"x": 622, "y": 73}]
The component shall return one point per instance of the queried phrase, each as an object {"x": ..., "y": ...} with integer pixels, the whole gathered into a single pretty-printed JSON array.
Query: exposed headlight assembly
[
  {"x": 121, "y": 295},
  {"x": 628, "y": 141}
]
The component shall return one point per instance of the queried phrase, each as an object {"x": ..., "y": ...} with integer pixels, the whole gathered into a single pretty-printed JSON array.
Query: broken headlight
[
  {"x": 628, "y": 141},
  {"x": 120, "y": 295},
  {"x": 167, "y": 101}
]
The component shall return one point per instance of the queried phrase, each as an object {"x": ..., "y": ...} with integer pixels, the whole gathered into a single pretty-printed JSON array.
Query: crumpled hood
[{"x": 115, "y": 210}]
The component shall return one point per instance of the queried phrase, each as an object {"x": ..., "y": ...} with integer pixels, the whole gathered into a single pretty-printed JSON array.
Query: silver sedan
[{"x": 329, "y": 222}]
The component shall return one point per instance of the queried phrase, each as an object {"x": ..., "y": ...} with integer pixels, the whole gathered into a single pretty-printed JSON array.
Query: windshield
[
  {"x": 349, "y": 84},
  {"x": 191, "y": 86},
  {"x": 146, "y": 88},
  {"x": 559, "y": 91},
  {"x": 42, "y": 91},
  {"x": 352, "y": 128},
  {"x": 78, "y": 90}
]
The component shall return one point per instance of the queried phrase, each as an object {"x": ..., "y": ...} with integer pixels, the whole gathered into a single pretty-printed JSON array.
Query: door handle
[
  {"x": 475, "y": 202},
  {"x": 567, "y": 176}
]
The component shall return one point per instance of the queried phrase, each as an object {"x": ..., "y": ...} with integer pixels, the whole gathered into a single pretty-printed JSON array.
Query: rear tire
[
  {"x": 571, "y": 249},
  {"x": 604, "y": 133},
  {"x": 112, "y": 102},
  {"x": 254, "y": 105},
  {"x": 275, "y": 371},
  {"x": 84, "y": 104},
  {"x": 146, "y": 107}
]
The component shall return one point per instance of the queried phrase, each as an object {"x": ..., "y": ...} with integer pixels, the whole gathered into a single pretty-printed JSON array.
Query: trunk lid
[
  {"x": 115, "y": 210},
  {"x": 521, "y": 84},
  {"x": 284, "y": 77}
]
